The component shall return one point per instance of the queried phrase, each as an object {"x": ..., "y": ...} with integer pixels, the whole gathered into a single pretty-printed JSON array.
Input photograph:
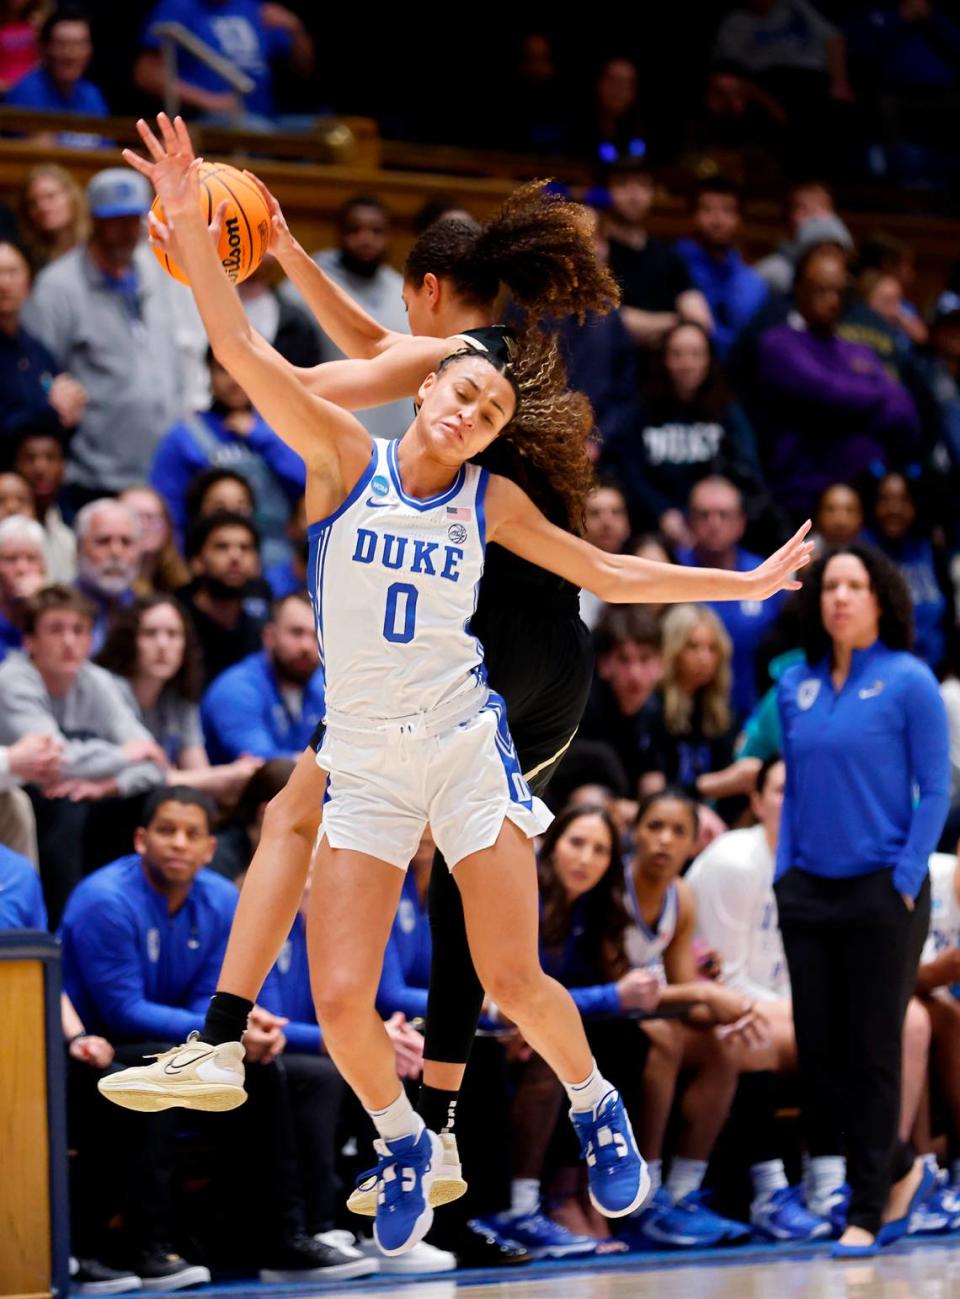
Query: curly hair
[
  {"x": 886, "y": 583},
  {"x": 714, "y": 698},
  {"x": 539, "y": 245},
  {"x": 119, "y": 654},
  {"x": 605, "y": 916},
  {"x": 543, "y": 448}
]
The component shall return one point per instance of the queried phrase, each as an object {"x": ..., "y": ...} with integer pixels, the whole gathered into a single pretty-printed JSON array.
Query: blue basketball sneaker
[
  {"x": 695, "y": 1204},
  {"x": 661, "y": 1225},
  {"x": 783, "y": 1215},
  {"x": 539, "y": 1236},
  {"x": 406, "y": 1168},
  {"x": 833, "y": 1206},
  {"x": 618, "y": 1178}
]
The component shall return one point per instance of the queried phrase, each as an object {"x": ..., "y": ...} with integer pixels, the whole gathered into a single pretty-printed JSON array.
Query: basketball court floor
[{"x": 930, "y": 1270}]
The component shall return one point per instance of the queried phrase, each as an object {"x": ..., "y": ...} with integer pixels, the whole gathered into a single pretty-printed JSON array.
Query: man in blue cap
[{"x": 114, "y": 319}]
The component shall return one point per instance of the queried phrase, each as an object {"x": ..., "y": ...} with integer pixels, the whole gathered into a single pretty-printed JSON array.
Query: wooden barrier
[{"x": 33, "y": 1208}]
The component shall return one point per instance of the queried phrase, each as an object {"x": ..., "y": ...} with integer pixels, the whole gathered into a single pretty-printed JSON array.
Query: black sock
[
  {"x": 226, "y": 1018},
  {"x": 437, "y": 1108}
]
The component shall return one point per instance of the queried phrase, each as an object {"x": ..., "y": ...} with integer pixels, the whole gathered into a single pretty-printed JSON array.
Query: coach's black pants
[{"x": 853, "y": 948}]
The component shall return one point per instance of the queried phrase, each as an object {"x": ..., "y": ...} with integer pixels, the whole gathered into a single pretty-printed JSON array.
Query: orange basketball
[{"x": 246, "y": 224}]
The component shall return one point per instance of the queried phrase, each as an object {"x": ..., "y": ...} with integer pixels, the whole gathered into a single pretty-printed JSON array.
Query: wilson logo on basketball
[{"x": 231, "y": 263}]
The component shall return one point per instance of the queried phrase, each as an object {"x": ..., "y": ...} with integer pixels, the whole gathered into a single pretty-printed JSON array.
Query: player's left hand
[{"x": 776, "y": 573}]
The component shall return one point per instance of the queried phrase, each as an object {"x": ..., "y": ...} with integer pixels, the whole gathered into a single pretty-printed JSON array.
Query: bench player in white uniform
[{"x": 398, "y": 552}]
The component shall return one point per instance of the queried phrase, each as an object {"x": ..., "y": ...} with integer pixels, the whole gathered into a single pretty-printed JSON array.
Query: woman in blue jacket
[{"x": 865, "y": 744}]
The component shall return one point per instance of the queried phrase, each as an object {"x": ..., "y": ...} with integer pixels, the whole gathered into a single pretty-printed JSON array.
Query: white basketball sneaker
[
  {"x": 195, "y": 1075},
  {"x": 448, "y": 1185}
]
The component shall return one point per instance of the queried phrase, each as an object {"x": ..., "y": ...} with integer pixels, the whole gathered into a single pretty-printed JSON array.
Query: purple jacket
[{"x": 829, "y": 411}]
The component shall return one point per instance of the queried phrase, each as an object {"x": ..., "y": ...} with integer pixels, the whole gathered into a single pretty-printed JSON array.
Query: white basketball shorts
[{"x": 387, "y": 786}]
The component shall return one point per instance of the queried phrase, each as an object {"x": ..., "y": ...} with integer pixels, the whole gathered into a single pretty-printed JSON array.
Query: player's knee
[
  {"x": 514, "y": 985},
  {"x": 341, "y": 998},
  {"x": 288, "y": 814}
]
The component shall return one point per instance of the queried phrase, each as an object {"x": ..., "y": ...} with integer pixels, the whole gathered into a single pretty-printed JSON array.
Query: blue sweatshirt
[
  {"x": 868, "y": 771},
  {"x": 577, "y": 969},
  {"x": 734, "y": 291},
  {"x": 133, "y": 971},
  {"x": 21, "y": 897},
  {"x": 243, "y": 711},
  {"x": 406, "y": 962},
  {"x": 287, "y": 992}
]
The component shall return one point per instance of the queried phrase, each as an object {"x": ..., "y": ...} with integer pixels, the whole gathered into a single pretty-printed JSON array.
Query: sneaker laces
[
  {"x": 794, "y": 1206},
  {"x": 390, "y": 1173},
  {"x": 175, "y": 1050},
  {"x": 603, "y": 1146}
]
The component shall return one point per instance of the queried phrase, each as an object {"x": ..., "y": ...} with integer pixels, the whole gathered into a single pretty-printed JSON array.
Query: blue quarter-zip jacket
[
  {"x": 133, "y": 971},
  {"x": 243, "y": 711},
  {"x": 21, "y": 897},
  {"x": 406, "y": 962},
  {"x": 287, "y": 992},
  {"x": 868, "y": 772}
]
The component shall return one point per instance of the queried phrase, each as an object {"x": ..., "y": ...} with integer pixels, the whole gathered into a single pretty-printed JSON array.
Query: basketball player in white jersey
[{"x": 413, "y": 735}]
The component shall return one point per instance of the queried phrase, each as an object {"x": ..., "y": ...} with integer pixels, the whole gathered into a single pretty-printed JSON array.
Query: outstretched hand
[
  {"x": 776, "y": 573},
  {"x": 281, "y": 240},
  {"x": 173, "y": 173}
]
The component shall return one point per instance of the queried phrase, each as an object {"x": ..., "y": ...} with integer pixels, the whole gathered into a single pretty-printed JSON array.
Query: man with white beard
[{"x": 108, "y": 557}]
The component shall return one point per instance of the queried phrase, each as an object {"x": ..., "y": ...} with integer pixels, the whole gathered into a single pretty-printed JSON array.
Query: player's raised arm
[
  {"x": 325, "y": 435},
  {"x": 515, "y": 523}
]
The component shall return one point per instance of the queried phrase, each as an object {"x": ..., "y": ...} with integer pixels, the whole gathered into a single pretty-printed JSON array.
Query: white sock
[
  {"x": 822, "y": 1176},
  {"x": 524, "y": 1195},
  {"x": 686, "y": 1175},
  {"x": 587, "y": 1095},
  {"x": 768, "y": 1177},
  {"x": 398, "y": 1120}
]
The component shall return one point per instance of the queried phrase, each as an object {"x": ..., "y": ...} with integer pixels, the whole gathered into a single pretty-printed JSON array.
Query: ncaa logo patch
[
  {"x": 457, "y": 533},
  {"x": 807, "y": 692},
  {"x": 379, "y": 486}
]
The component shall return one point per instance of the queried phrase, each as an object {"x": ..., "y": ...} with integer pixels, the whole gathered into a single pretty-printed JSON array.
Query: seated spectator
[
  {"x": 838, "y": 516},
  {"x": 111, "y": 316},
  {"x": 623, "y": 710},
  {"x": 881, "y": 294},
  {"x": 894, "y": 259},
  {"x": 231, "y": 433},
  {"x": 360, "y": 265},
  {"x": 108, "y": 558},
  {"x": 698, "y": 729},
  {"x": 813, "y": 220},
  {"x": 21, "y": 897},
  {"x": 688, "y": 427},
  {"x": 611, "y": 126},
  {"x": 829, "y": 410},
  {"x": 23, "y": 571},
  {"x": 734, "y": 291},
  {"x": 657, "y": 291},
  {"x": 152, "y": 653},
  {"x": 215, "y": 490},
  {"x": 34, "y": 389},
  {"x": 53, "y": 215},
  {"x": 106, "y": 755},
  {"x": 39, "y": 458},
  {"x": 901, "y": 526},
  {"x": 732, "y": 883},
  {"x": 717, "y": 522},
  {"x": 251, "y": 36},
  {"x": 143, "y": 939},
  {"x": 59, "y": 85},
  {"x": 940, "y": 365},
  {"x": 228, "y": 615},
  {"x": 16, "y": 498},
  {"x": 19, "y": 48},
  {"x": 162, "y": 569},
  {"x": 937, "y": 983},
  {"x": 606, "y": 524},
  {"x": 284, "y": 324},
  {"x": 269, "y": 704},
  {"x": 289, "y": 578}
]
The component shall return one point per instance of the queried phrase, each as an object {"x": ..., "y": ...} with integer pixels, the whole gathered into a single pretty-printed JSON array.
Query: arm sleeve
[
  {"x": 109, "y": 968},
  {"x": 26, "y": 712},
  {"x": 47, "y": 314},
  {"x": 286, "y": 466},
  {"x": 120, "y": 725},
  {"x": 725, "y": 905},
  {"x": 600, "y": 999},
  {"x": 204, "y": 982},
  {"x": 394, "y": 992},
  {"x": 928, "y": 748},
  {"x": 798, "y": 375},
  {"x": 785, "y": 844},
  {"x": 234, "y": 721}
]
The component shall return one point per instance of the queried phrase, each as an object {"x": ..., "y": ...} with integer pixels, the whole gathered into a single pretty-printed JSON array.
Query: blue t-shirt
[
  {"x": 38, "y": 91},
  {"x": 868, "y": 768},
  {"x": 21, "y": 897},
  {"x": 745, "y": 621},
  {"x": 234, "y": 29}
]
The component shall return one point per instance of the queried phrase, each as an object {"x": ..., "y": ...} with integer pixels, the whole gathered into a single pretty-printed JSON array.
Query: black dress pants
[{"x": 853, "y": 948}]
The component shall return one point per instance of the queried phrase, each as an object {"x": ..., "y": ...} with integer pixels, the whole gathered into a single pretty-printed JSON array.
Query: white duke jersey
[
  {"x": 732, "y": 881},
  {"x": 944, "y": 932},
  {"x": 645, "y": 946},
  {"x": 394, "y": 584}
]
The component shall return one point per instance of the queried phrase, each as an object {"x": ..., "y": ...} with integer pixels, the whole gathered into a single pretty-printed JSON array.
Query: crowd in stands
[{"x": 160, "y": 671}]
